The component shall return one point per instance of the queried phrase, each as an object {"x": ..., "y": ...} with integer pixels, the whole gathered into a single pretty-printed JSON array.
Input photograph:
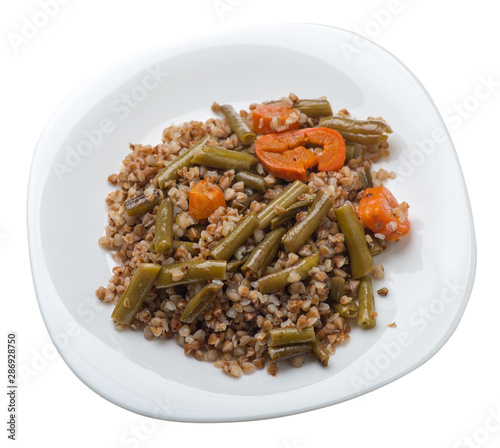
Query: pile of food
[{"x": 250, "y": 238}]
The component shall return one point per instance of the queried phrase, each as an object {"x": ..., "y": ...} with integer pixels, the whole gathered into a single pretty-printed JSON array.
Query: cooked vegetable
[
  {"x": 163, "y": 227},
  {"x": 288, "y": 351},
  {"x": 375, "y": 247},
  {"x": 263, "y": 115},
  {"x": 192, "y": 248},
  {"x": 285, "y": 199},
  {"x": 285, "y": 156},
  {"x": 226, "y": 247},
  {"x": 359, "y": 131},
  {"x": 251, "y": 180},
  {"x": 350, "y": 152},
  {"x": 131, "y": 300},
  {"x": 278, "y": 337},
  {"x": 320, "y": 352},
  {"x": 224, "y": 159},
  {"x": 359, "y": 255},
  {"x": 200, "y": 302},
  {"x": 143, "y": 203},
  {"x": 365, "y": 178},
  {"x": 297, "y": 236},
  {"x": 367, "y": 314},
  {"x": 204, "y": 199},
  {"x": 235, "y": 265},
  {"x": 280, "y": 279},
  {"x": 237, "y": 124},
  {"x": 348, "y": 310},
  {"x": 191, "y": 272},
  {"x": 263, "y": 254},
  {"x": 290, "y": 212},
  {"x": 241, "y": 206},
  {"x": 380, "y": 211},
  {"x": 336, "y": 290},
  {"x": 312, "y": 108},
  {"x": 171, "y": 171}
]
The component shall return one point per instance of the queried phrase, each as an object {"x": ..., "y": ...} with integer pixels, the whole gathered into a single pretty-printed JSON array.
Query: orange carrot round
[
  {"x": 333, "y": 155},
  {"x": 290, "y": 165},
  {"x": 380, "y": 211},
  {"x": 204, "y": 199},
  {"x": 264, "y": 114}
]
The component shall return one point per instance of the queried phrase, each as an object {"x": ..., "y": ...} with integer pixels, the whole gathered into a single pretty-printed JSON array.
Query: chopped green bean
[
  {"x": 367, "y": 314},
  {"x": 251, "y": 180},
  {"x": 226, "y": 247},
  {"x": 245, "y": 203},
  {"x": 375, "y": 247},
  {"x": 349, "y": 310},
  {"x": 350, "y": 152},
  {"x": 290, "y": 212},
  {"x": 350, "y": 125},
  {"x": 142, "y": 204},
  {"x": 365, "y": 178},
  {"x": 192, "y": 248},
  {"x": 359, "y": 255},
  {"x": 217, "y": 157},
  {"x": 364, "y": 139},
  {"x": 200, "y": 302},
  {"x": 280, "y": 279},
  {"x": 171, "y": 171},
  {"x": 190, "y": 272},
  {"x": 285, "y": 199},
  {"x": 336, "y": 290},
  {"x": 263, "y": 254},
  {"x": 320, "y": 352},
  {"x": 312, "y": 108},
  {"x": 131, "y": 300},
  {"x": 297, "y": 236},
  {"x": 237, "y": 124},
  {"x": 278, "y": 337},
  {"x": 288, "y": 351},
  {"x": 235, "y": 265},
  {"x": 163, "y": 226}
]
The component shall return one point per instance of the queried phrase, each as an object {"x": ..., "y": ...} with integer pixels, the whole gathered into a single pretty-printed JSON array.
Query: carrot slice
[
  {"x": 204, "y": 199},
  {"x": 333, "y": 155},
  {"x": 289, "y": 165},
  {"x": 264, "y": 114},
  {"x": 380, "y": 211}
]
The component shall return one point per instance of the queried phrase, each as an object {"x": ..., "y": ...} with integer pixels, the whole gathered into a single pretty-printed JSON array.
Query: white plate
[{"x": 429, "y": 274}]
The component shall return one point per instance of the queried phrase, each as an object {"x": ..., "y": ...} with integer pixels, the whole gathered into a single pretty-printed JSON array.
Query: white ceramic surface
[{"x": 429, "y": 274}]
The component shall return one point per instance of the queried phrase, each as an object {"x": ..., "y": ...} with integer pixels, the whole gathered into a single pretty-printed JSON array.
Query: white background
[{"x": 451, "y": 401}]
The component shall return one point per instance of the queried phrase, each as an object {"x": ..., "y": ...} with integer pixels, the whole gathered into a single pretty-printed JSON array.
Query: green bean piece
[
  {"x": 290, "y": 212},
  {"x": 131, "y": 300},
  {"x": 375, "y": 247},
  {"x": 226, "y": 247},
  {"x": 348, "y": 310},
  {"x": 235, "y": 265},
  {"x": 320, "y": 352},
  {"x": 312, "y": 108},
  {"x": 263, "y": 254},
  {"x": 365, "y": 178},
  {"x": 278, "y": 337},
  {"x": 244, "y": 204},
  {"x": 336, "y": 290},
  {"x": 350, "y": 152},
  {"x": 359, "y": 255},
  {"x": 364, "y": 139},
  {"x": 225, "y": 159},
  {"x": 350, "y": 125},
  {"x": 367, "y": 314},
  {"x": 237, "y": 124},
  {"x": 280, "y": 279},
  {"x": 191, "y": 272},
  {"x": 142, "y": 204},
  {"x": 297, "y": 236},
  {"x": 163, "y": 227},
  {"x": 251, "y": 180},
  {"x": 171, "y": 171},
  {"x": 200, "y": 302},
  {"x": 285, "y": 199},
  {"x": 192, "y": 248},
  {"x": 288, "y": 351}
]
